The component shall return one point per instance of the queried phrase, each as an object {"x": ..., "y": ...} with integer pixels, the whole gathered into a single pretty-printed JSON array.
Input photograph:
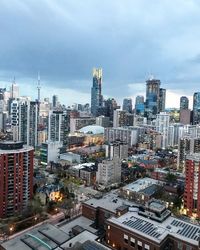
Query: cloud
[{"x": 129, "y": 39}]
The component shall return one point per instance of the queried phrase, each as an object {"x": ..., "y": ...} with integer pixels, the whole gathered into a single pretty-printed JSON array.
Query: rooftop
[
  {"x": 141, "y": 184},
  {"x": 157, "y": 231},
  {"x": 110, "y": 202},
  {"x": 92, "y": 129}
]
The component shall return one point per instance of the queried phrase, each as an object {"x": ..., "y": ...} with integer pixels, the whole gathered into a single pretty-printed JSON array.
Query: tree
[{"x": 171, "y": 178}]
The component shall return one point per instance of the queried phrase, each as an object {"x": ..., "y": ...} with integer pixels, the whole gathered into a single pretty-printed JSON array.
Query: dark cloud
[{"x": 129, "y": 39}]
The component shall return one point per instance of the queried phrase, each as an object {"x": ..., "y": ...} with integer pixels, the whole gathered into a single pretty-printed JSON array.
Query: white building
[
  {"x": 50, "y": 152},
  {"x": 109, "y": 172},
  {"x": 117, "y": 149},
  {"x": 162, "y": 126}
]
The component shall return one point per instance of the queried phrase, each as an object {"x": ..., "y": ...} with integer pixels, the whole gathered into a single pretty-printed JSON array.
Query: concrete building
[
  {"x": 50, "y": 151},
  {"x": 96, "y": 92},
  {"x": 109, "y": 172},
  {"x": 103, "y": 121},
  {"x": 78, "y": 123},
  {"x": 58, "y": 126},
  {"x": 162, "y": 126},
  {"x": 117, "y": 149},
  {"x": 24, "y": 121},
  {"x": 185, "y": 116},
  {"x": 16, "y": 177},
  {"x": 127, "y": 105},
  {"x": 186, "y": 146},
  {"x": 192, "y": 186},
  {"x": 122, "y": 118}
]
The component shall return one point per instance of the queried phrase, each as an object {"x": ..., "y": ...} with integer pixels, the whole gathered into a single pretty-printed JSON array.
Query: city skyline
[{"x": 113, "y": 36}]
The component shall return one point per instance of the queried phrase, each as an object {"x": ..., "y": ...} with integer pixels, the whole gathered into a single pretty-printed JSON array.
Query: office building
[
  {"x": 162, "y": 99},
  {"x": 14, "y": 91},
  {"x": 162, "y": 126},
  {"x": 16, "y": 177},
  {"x": 192, "y": 186},
  {"x": 55, "y": 101},
  {"x": 152, "y": 98},
  {"x": 196, "y": 108},
  {"x": 127, "y": 105},
  {"x": 117, "y": 149},
  {"x": 109, "y": 172},
  {"x": 139, "y": 105},
  {"x": 184, "y": 103},
  {"x": 96, "y": 95}
]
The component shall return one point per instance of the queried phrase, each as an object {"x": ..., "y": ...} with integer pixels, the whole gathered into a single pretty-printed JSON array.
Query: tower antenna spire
[{"x": 38, "y": 86}]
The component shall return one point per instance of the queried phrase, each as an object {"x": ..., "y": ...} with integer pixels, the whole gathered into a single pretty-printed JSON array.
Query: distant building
[
  {"x": 78, "y": 123},
  {"x": 127, "y": 105},
  {"x": 122, "y": 118},
  {"x": 117, "y": 149},
  {"x": 16, "y": 177},
  {"x": 196, "y": 108},
  {"x": 96, "y": 95},
  {"x": 162, "y": 126},
  {"x": 103, "y": 121},
  {"x": 55, "y": 101},
  {"x": 184, "y": 103},
  {"x": 139, "y": 105},
  {"x": 185, "y": 116},
  {"x": 162, "y": 99}
]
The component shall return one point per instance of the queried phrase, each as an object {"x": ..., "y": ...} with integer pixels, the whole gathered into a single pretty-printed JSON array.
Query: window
[
  {"x": 126, "y": 238},
  {"x": 146, "y": 247},
  {"x": 132, "y": 242},
  {"x": 180, "y": 245}
]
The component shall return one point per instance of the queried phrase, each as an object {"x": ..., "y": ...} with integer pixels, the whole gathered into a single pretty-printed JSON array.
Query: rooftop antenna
[{"x": 38, "y": 86}]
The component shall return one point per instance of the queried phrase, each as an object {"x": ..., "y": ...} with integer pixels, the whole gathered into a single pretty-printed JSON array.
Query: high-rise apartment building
[
  {"x": 187, "y": 145},
  {"x": 127, "y": 105},
  {"x": 162, "y": 126},
  {"x": 122, "y": 118},
  {"x": 58, "y": 126},
  {"x": 16, "y": 177},
  {"x": 184, "y": 102},
  {"x": 24, "y": 121},
  {"x": 192, "y": 186},
  {"x": 196, "y": 108},
  {"x": 117, "y": 149},
  {"x": 96, "y": 95}
]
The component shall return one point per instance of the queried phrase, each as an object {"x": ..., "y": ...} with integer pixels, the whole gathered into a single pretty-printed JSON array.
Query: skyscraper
[
  {"x": 162, "y": 97},
  {"x": 24, "y": 121},
  {"x": 14, "y": 90},
  {"x": 16, "y": 177},
  {"x": 162, "y": 126},
  {"x": 139, "y": 105},
  {"x": 58, "y": 126},
  {"x": 96, "y": 95},
  {"x": 196, "y": 108},
  {"x": 184, "y": 102},
  {"x": 152, "y": 98},
  {"x": 55, "y": 101},
  {"x": 127, "y": 105}
]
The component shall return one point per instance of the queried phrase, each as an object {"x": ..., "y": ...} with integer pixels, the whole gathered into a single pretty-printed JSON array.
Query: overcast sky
[{"x": 129, "y": 39}]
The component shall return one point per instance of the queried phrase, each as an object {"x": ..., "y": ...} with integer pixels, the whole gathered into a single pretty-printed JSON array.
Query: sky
[{"x": 129, "y": 39}]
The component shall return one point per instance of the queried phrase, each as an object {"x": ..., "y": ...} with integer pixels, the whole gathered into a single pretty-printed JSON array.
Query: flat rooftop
[
  {"x": 109, "y": 202},
  {"x": 141, "y": 184},
  {"x": 158, "y": 231}
]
